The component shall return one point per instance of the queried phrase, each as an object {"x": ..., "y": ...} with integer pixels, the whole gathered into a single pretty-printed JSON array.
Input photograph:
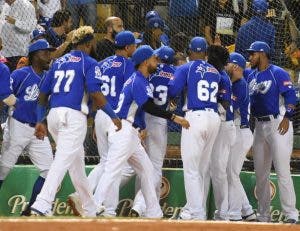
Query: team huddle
[{"x": 131, "y": 96}]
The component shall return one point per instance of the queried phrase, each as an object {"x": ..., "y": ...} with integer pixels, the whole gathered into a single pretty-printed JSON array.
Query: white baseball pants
[
  {"x": 269, "y": 146},
  {"x": 68, "y": 128},
  {"x": 196, "y": 147}
]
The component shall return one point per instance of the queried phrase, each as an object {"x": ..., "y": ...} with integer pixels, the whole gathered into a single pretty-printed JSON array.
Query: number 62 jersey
[
  {"x": 69, "y": 80},
  {"x": 202, "y": 82}
]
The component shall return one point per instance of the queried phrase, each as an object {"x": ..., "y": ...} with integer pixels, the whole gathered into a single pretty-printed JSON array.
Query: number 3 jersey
[
  {"x": 159, "y": 84},
  {"x": 115, "y": 70},
  {"x": 25, "y": 86},
  {"x": 69, "y": 80},
  {"x": 201, "y": 80}
]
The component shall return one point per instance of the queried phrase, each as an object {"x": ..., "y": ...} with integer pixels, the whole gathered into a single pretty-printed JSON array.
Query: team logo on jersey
[
  {"x": 262, "y": 87},
  {"x": 68, "y": 58},
  {"x": 202, "y": 69},
  {"x": 116, "y": 64},
  {"x": 97, "y": 72},
  {"x": 128, "y": 81},
  {"x": 32, "y": 93},
  {"x": 166, "y": 74}
]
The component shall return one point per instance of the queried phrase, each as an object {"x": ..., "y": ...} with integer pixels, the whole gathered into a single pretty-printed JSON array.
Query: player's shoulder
[
  {"x": 22, "y": 71},
  {"x": 277, "y": 70},
  {"x": 3, "y": 68}
]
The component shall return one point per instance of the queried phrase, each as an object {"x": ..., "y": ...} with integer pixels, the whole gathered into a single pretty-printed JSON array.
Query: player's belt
[
  {"x": 204, "y": 109},
  {"x": 266, "y": 118}
]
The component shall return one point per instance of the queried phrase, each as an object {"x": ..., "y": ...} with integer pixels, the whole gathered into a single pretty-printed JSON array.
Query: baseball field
[{"x": 73, "y": 224}]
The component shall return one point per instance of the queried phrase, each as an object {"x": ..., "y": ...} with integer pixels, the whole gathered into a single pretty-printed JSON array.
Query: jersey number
[
  {"x": 105, "y": 89},
  {"x": 203, "y": 91},
  {"x": 162, "y": 94},
  {"x": 60, "y": 75}
]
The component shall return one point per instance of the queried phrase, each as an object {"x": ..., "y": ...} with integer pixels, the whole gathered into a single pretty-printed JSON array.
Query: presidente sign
[{"x": 16, "y": 190}]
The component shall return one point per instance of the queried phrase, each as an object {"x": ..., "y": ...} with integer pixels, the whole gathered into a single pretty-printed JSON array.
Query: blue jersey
[
  {"x": 202, "y": 81},
  {"x": 25, "y": 86},
  {"x": 115, "y": 70},
  {"x": 69, "y": 80},
  {"x": 159, "y": 84},
  {"x": 135, "y": 94},
  {"x": 225, "y": 93},
  {"x": 266, "y": 86},
  {"x": 240, "y": 99},
  {"x": 5, "y": 89}
]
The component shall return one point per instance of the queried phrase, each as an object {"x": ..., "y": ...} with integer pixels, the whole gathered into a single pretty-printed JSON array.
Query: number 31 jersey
[
  {"x": 202, "y": 82},
  {"x": 69, "y": 80}
]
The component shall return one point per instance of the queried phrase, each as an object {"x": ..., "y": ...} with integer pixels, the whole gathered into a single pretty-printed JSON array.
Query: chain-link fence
[{"x": 233, "y": 23}]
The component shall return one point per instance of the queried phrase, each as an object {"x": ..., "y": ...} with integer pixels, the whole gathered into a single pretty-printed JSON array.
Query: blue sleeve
[
  {"x": 5, "y": 89},
  {"x": 45, "y": 86},
  {"x": 92, "y": 78},
  {"x": 224, "y": 92},
  {"x": 179, "y": 81},
  {"x": 241, "y": 101},
  {"x": 141, "y": 92},
  {"x": 139, "y": 119},
  {"x": 287, "y": 90}
]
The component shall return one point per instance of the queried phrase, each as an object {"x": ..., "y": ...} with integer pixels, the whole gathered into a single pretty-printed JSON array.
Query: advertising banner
[{"x": 16, "y": 191}]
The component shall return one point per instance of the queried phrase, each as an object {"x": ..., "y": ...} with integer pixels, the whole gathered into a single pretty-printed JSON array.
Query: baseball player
[
  {"x": 115, "y": 70},
  {"x": 125, "y": 145},
  {"x": 202, "y": 82},
  {"x": 69, "y": 80},
  {"x": 273, "y": 134},
  {"x": 238, "y": 205},
  {"x": 218, "y": 56},
  {"x": 25, "y": 86},
  {"x": 156, "y": 139}
]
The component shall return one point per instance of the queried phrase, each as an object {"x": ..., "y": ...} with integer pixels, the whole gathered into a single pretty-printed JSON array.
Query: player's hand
[
  {"x": 142, "y": 134},
  {"x": 181, "y": 121},
  {"x": 284, "y": 126},
  {"x": 172, "y": 105},
  {"x": 40, "y": 131},
  {"x": 118, "y": 123},
  {"x": 10, "y": 19}
]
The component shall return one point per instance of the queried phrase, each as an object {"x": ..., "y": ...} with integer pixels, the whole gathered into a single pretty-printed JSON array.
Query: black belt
[
  {"x": 266, "y": 118},
  {"x": 29, "y": 124},
  {"x": 203, "y": 109}
]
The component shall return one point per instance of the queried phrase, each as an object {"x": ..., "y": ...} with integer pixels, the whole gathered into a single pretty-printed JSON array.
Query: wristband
[
  {"x": 109, "y": 111},
  {"x": 40, "y": 113}
]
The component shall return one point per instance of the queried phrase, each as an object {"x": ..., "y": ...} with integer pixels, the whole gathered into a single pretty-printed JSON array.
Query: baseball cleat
[
  {"x": 250, "y": 217},
  {"x": 100, "y": 211},
  {"x": 36, "y": 213},
  {"x": 133, "y": 213},
  {"x": 75, "y": 203}
]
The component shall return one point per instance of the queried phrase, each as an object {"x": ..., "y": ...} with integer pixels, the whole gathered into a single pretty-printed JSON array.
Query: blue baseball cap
[
  {"x": 143, "y": 53},
  {"x": 39, "y": 45},
  {"x": 166, "y": 53},
  {"x": 238, "y": 59},
  {"x": 152, "y": 14},
  {"x": 259, "y": 46},
  {"x": 198, "y": 44},
  {"x": 125, "y": 38},
  {"x": 36, "y": 33},
  {"x": 156, "y": 22},
  {"x": 260, "y": 6}
]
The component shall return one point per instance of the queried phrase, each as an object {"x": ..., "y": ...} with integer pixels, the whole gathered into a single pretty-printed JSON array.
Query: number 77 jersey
[
  {"x": 202, "y": 82},
  {"x": 69, "y": 80}
]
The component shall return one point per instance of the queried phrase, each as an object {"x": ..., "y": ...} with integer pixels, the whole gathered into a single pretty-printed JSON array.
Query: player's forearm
[
  {"x": 290, "y": 102},
  {"x": 155, "y": 110}
]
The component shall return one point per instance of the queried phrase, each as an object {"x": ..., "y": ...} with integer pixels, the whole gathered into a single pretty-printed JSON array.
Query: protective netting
[{"x": 234, "y": 23}]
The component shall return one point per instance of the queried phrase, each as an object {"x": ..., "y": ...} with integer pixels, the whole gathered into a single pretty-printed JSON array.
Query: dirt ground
[{"x": 34, "y": 224}]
